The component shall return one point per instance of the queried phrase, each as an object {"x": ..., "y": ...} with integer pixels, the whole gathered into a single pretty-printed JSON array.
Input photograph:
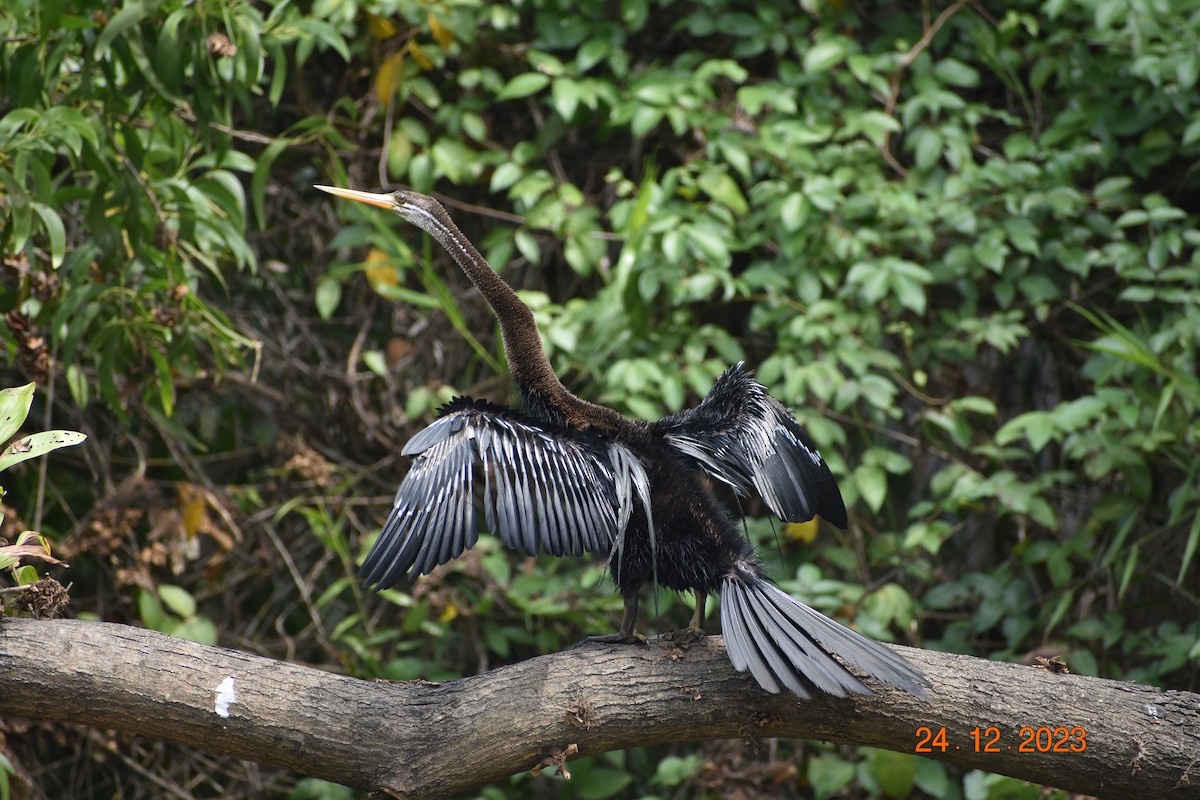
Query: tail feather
[
  {"x": 782, "y": 641},
  {"x": 743, "y": 626},
  {"x": 804, "y": 657}
]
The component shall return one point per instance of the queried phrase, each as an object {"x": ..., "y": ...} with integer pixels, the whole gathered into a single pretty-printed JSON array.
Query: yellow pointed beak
[{"x": 370, "y": 198}]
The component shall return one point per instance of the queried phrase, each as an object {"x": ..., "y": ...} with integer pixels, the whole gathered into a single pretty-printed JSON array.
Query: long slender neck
[{"x": 527, "y": 362}]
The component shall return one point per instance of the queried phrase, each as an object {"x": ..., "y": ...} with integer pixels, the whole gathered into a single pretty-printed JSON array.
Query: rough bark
[{"x": 423, "y": 740}]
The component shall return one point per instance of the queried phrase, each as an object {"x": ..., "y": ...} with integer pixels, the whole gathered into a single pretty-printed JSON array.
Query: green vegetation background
[{"x": 958, "y": 238}]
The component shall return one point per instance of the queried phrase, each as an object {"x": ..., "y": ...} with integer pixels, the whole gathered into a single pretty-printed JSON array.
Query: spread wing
[
  {"x": 743, "y": 437},
  {"x": 556, "y": 491}
]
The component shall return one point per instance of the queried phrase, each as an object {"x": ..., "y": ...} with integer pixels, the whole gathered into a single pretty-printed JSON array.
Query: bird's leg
[
  {"x": 629, "y": 618},
  {"x": 697, "y": 624},
  {"x": 626, "y": 634}
]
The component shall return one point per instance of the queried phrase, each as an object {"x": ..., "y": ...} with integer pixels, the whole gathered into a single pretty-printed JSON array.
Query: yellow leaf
[
  {"x": 387, "y": 79},
  {"x": 419, "y": 55},
  {"x": 380, "y": 27},
  {"x": 450, "y": 614},
  {"x": 195, "y": 510},
  {"x": 381, "y": 270},
  {"x": 441, "y": 34},
  {"x": 801, "y": 531}
]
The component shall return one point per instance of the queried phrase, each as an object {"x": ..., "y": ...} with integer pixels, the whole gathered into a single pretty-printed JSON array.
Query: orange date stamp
[{"x": 1030, "y": 739}]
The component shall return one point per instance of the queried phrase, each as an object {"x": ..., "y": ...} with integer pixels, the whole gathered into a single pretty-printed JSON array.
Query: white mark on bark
[{"x": 226, "y": 696}]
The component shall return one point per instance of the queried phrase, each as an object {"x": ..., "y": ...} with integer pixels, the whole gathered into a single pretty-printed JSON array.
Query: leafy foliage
[
  {"x": 14, "y": 409},
  {"x": 960, "y": 241}
]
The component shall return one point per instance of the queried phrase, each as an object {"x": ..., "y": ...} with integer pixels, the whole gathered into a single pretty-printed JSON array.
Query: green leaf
[
  {"x": 505, "y": 176},
  {"x": 37, "y": 444},
  {"x": 328, "y": 295},
  {"x": 150, "y": 610},
  {"x": 829, "y": 774},
  {"x": 197, "y": 629},
  {"x": 956, "y": 73},
  {"x": 895, "y": 772},
  {"x": 1191, "y": 134},
  {"x": 55, "y": 232},
  {"x": 523, "y": 85},
  {"x": 872, "y": 485},
  {"x": 823, "y": 56},
  {"x": 166, "y": 381},
  {"x": 724, "y": 189},
  {"x": 375, "y": 362},
  {"x": 77, "y": 383},
  {"x": 1036, "y": 426},
  {"x": 1078, "y": 413},
  {"x": 565, "y": 94},
  {"x": 590, "y": 53},
  {"x": 794, "y": 212},
  {"x": 909, "y": 292},
  {"x": 258, "y": 181},
  {"x": 603, "y": 782},
  {"x": 674, "y": 770},
  {"x": 14, "y": 408},
  {"x": 1189, "y": 551},
  {"x": 177, "y": 599},
  {"x": 978, "y": 405},
  {"x": 131, "y": 14},
  {"x": 876, "y": 125}
]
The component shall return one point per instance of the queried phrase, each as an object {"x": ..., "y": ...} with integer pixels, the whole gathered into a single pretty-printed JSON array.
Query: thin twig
[{"x": 894, "y": 82}]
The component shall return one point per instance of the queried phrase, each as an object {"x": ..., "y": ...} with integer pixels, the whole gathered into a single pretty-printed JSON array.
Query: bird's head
[{"x": 421, "y": 210}]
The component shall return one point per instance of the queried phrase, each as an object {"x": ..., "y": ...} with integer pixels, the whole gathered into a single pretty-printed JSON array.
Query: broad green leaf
[
  {"x": 14, "y": 408},
  {"x": 197, "y": 629},
  {"x": 77, "y": 383},
  {"x": 129, "y": 15},
  {"x": 872, "y": 485},
  {"x": 1036, "y": 426},
  {"x": 37, "y": 444},
  {"x": 523, "y": 85},
  {"x": 978, "y": 405},
  {"x": 328, "y": 295},
  {"x": 177, "y": 599},
  {"x": 150, "y": 610},
  {"x": 375, "y": 362},
  {"x": 894, "y": 771},
  {"x": 823, "y": 56},
  {"x": 399, "y": 153},
  {"x": 565, "y": 94},
  {"x": 505, "y": 176},
  {"x": 603, "y": 782},
  {"x": 956, "y": 73},
  {"x": 724, "y": 189},
  {"x": 55, "y": 233},
  {"x": 829, "y": 773}
]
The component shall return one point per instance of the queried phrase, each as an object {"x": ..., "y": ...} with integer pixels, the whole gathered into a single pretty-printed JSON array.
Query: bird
[{"x": 566, "y": 476}]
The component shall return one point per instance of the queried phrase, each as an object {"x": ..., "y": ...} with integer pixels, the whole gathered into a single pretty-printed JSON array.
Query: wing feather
[
  {"x": 745, "y": 438},
  {"x": 543, "y": 489}
]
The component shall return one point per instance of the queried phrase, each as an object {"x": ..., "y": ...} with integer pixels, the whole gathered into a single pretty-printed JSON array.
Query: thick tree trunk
[{"x": 423, "y": 740}]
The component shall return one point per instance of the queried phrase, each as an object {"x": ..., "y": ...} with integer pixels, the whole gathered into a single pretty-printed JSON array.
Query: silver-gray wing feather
[{"x": 543, "y": 490}]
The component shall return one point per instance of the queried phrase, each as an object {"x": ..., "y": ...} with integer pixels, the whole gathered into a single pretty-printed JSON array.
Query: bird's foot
[
  {"x": 685, "y": 636},
  {"x": 615, "y": 638}
]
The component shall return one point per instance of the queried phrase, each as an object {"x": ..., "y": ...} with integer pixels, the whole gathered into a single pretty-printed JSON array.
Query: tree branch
[{"x": 424, "y": 740}]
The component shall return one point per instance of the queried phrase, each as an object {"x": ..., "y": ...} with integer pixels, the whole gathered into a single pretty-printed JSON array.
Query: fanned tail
[{"x": 784, "y": 643}]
